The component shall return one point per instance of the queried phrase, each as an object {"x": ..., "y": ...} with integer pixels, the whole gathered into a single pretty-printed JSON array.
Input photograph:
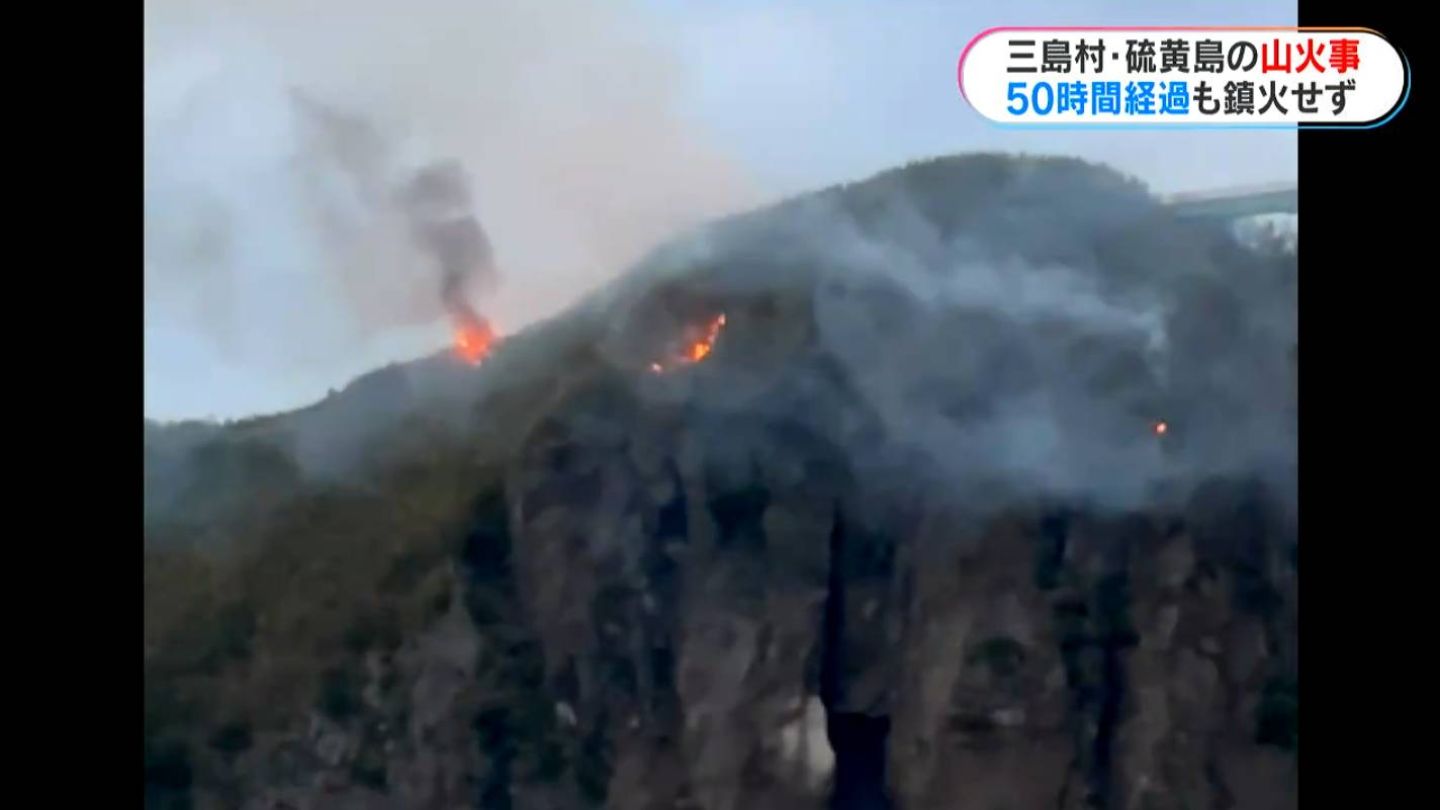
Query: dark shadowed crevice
[
  {"x": 1102, "y": 777},
  {"x": 831, "y": 649},
  {"x": 1096, "y": 633},
  {"x": 662, "y": 586},
  {"x": 1050, "y": 556},
  {"x": 858, "y": 740},
  {"x": 1115, "y": 637},
  {"x": 670, "y": 521},
  {"x": 513, "y": 725},
  {"x": 738, "y": 518}
]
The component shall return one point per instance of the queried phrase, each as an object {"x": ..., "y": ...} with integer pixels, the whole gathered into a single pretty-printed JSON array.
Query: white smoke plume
[
  {"x": 286, "y": 249},
  {"x": 1012, "y": 323}
]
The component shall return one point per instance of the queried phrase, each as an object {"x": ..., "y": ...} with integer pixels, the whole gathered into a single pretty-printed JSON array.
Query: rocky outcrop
[
  {"x": 669, "y": 641},
  {"x": 908, "y": 537},
  {"x": 405, "y": 741},
  {"x": 1033, "y": 657}
]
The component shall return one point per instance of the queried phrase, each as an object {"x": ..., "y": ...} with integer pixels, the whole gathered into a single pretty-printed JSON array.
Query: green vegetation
[
  {"x": 273, "y": 578},
  {"x": 270, "y": 610}
]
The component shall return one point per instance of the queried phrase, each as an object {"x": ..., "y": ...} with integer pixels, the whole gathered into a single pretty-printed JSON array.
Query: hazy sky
[
  {"x": 590, "y": 131},
  {"x": 811, "y": 92}
]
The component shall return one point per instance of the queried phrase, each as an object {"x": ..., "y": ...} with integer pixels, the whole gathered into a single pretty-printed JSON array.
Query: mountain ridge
[{"x": 905, "y": 535}]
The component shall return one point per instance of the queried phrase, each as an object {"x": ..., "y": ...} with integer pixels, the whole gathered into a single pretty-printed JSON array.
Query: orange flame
[
  {"x": 474, "y": 338},
  {"x": 1161, "y": 428},
  {"x": 698, "y": 347}
]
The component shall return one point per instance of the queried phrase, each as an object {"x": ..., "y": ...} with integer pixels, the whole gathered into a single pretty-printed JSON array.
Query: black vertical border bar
[
  {"x": 76, "y": 402},
  {"x": 1365, "y": 446}
]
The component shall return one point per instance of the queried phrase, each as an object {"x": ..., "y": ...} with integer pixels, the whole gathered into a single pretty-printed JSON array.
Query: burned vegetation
[{"x": 855, "y": 501}]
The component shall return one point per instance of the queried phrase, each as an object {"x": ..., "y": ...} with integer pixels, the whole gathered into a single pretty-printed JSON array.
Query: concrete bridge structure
[{"x": 1237, "y": 202}]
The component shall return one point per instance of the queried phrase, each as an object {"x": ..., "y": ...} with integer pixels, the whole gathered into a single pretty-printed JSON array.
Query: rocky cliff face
[
  {"x": 898, "y": 541},
  {"x": 706, "y": 629}
]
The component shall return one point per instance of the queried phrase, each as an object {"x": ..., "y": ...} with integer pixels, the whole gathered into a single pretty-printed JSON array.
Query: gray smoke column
[
  {"x": 280, "y": 257},
  {"x": 434, "y": 202},
  {"x": 437, "y": 201}
]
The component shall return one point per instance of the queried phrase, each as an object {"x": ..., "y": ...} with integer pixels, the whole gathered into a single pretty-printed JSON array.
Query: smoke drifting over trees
[
  {"x": 912, "y": 488},
  {"x": 1022, "y": 323}
]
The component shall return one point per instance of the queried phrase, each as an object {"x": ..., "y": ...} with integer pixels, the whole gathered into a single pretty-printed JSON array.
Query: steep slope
[{"x": 907, "y": 536}]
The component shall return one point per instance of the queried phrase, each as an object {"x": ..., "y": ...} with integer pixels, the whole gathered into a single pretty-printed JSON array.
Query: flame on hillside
[
  {"x": 474, "y": 337},
  {"x": 696, "y": 345}
]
